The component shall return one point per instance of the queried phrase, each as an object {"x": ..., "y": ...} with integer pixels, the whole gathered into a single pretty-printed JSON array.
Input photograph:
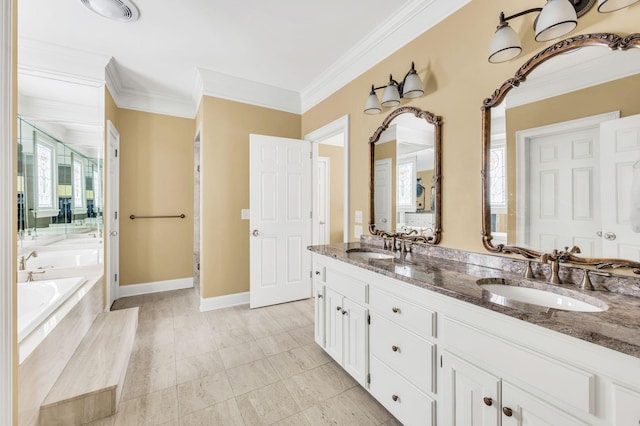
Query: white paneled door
[
  {"x": 113, "y": 207},
  {"x": 621, "y": 187},
  {"x": 382, "y": 191},
  {"x": 280, "y": 220}
]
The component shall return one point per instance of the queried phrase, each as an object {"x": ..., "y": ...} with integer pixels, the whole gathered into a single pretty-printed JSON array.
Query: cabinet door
[
  {"x": 522, "y": 409},
  {"x": 626, "y": 406},
  {"x": 333, "y": 322},
  {"x": 471, "y": 395},
  {"x": 355, "y": 340},
  {"x": 319, "y": 312}
]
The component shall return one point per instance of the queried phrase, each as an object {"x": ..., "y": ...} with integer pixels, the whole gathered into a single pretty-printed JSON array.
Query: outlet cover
[
  {"x": 357, "y": 231},
  {"x": 246, "y": 214},
  {"x": 358, "y": 216}
]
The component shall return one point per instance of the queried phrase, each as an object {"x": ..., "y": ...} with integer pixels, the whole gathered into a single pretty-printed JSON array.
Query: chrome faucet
[{"x": 23, "y": 260}]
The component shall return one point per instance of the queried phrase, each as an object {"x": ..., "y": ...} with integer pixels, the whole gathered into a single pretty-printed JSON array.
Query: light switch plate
[
  {"x": 245, "y": 215},
  {"x": 357, "y": 231},
  {"x": 358, "y": 216}
]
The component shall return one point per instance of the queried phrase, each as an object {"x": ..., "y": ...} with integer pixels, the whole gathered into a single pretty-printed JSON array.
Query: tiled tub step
[{"x": 90, "y": 385}]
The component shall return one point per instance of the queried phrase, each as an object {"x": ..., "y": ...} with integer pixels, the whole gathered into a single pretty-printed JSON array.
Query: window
[
  {"x": 406, "y": 183},
  {"x": 44, "y": 166},
  {"x": 78, "y": 187},
  {"x": 498, "y": 177}
]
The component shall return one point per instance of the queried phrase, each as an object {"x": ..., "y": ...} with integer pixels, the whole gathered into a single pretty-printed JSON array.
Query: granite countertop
[{"x": 617, "y": 328}]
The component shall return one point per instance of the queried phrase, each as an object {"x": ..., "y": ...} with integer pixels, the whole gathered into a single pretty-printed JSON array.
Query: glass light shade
[
  {"x": 373, "y": 105},
  {"x": 412, "y": 87},
  {"x": 390, "y": 96},
  {"x": 605, "y": 6},
  {"x": 557, "y": 18},
  {"x": 505, "y": 44}
]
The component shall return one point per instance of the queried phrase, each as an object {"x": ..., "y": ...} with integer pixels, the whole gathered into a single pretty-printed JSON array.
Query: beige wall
[
  {"x": 427, "y": 182},
  {"x": 619, "y": 95},
  {"x": 452, "y": 60},
  {"x": 156, "y": 178},
  {"x": 336, "y": 188},
  {"x": 226, "y": 126}
]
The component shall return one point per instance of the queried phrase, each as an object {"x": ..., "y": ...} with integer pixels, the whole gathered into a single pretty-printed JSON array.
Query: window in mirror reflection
[
  {"x": 44, "y": 153},
  {"x": 406, "y": 177},
  {"x": 78, "y": 190}
]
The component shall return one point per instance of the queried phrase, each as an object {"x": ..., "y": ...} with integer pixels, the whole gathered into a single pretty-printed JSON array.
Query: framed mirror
[
  {"x": 561, "y": 155},
  {"x": 406, "y": 176}
]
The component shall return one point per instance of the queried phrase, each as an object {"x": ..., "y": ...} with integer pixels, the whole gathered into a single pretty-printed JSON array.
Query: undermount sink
[
  {"x": 543, "y": 295},
  {"x": 369, "y": 254}
]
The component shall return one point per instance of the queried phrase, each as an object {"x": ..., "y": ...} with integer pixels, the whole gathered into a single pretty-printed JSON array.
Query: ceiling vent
[{"x": 117, "y": 10}]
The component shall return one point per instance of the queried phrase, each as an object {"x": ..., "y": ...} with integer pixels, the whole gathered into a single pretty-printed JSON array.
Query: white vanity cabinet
[
  {"x": 319, "y": 303},
  {"x": 626, "y": 406},
  {"x": 345, "y": 323},
  {"x": 475, "y": 397}
]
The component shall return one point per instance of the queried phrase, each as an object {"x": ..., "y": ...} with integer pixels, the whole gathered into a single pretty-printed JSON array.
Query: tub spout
[
  {"x": 23, "y": 260},
  {"x": 30, "y": 275}
]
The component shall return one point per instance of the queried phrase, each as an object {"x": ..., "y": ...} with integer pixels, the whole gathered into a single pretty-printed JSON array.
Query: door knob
[
  {"x": 255, "y": 233},
  {"x": 114, "y": 233},
  {"x": 610, "y": 236}
]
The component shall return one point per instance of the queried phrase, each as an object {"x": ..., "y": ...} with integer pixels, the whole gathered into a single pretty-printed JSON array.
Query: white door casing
[
  {"x": 382, "y": 191},
  {"x": 322, "y": 199},
  {"x": 621, "y": 188},
  {"x": 112, "y": 237},
  {"x": 280, "y": 220},
  {"x": 337, "y": 129}
]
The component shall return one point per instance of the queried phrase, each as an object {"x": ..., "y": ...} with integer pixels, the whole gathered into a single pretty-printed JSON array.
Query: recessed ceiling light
[{"x": 117, "y": 10}]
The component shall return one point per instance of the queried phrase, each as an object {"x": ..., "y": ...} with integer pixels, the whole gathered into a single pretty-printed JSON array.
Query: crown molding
[
  {"x": 51, "y": 61},
  {"x": 226, "y": 86},
  {"x": 38, "y": 109},
  {"x": 402, "y": 27},
  {"x": 156, "y": 103}
]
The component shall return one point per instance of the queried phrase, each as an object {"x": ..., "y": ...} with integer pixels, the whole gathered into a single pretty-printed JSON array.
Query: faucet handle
[
  {"x": 585, "y": 284},
  {"x": 528, "y": 272}
]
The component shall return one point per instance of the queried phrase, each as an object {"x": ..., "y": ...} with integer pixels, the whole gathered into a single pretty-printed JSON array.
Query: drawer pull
[
  {"x": 396, "y": 398},
  {"x": 395, "y": 348},
  {"x": 395, "y": 310},
  {"x": 507, "y": 411},
  {"x": 488, "y": 401}
]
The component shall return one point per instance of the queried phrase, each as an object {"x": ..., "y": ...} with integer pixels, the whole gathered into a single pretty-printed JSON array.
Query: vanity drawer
[
  {"x": 416, "y": 318},
  {"x": 400, "y": 397},
  {"x": 347, "y": 286},
  {"x": 626, "y": 406},
  {"x": 319, "y": 272},
  {"x": 540, "y": 374},
  {"x": 403, "y": 351}
]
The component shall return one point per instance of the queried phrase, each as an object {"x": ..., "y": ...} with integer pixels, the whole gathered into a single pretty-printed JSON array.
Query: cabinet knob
[
  {"x": 507, "y": 411},
  {"x": 317, "y": 272},
  {"x": 338, "y": 309},
  {"x": 396, "y": 398},
  {"x": 319, "y": 296},
  {"x": 488, "y": 401},
  {"x": 395, "y": 310},
  {"x": 395, "y": 348},
  {"x": 345, "y": 312}
]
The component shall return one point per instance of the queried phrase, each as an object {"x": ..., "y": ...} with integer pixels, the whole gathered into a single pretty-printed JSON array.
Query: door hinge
[
  {"x": 115, "y": 215},
  {"x": 369, "y": 378},
  {"x": 310, "y": 274},
  {"x": 198, "y": 266},
  {"x": 115, "y": 277},
  {"x": 310, "y": 215},
  {"x": 116, "y": 152},
  {"x": 440, "y": 361},
  {"x": 311, "y": 154},
  {"x": 369, "y": 319},
  {"x": 198, "y": 168}
]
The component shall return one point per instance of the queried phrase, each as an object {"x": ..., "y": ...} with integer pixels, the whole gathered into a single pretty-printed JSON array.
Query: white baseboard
[
  {"x": 228, "y": 300},
  {"x": 154, "y": 287}
]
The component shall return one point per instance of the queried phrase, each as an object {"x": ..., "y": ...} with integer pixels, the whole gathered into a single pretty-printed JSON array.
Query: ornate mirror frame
[
  {"x": 436, "y": 121},
  {"x": 614, "y": 42}
]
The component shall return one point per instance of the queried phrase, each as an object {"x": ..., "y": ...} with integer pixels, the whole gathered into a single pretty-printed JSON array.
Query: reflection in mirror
[
  {"x": 59, "y": 188},
  {"x": 561, "y": 163},
  {"x": 405, "y": 176}
]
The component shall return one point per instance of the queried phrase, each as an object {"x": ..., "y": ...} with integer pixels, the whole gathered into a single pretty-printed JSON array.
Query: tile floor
[{"x": 234, "y": 366}]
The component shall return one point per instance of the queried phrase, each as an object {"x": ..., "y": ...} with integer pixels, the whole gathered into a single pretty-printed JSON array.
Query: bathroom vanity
[{"x": 434, "y": 347}]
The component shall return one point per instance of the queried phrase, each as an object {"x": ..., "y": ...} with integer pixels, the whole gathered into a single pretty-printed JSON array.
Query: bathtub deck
[{"x": 89, "y": 387}]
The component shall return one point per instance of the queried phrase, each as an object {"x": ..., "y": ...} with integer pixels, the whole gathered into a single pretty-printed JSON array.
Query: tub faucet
[
  {"x": 30, "y": 275},
  {"x": 23, "y": 260}
]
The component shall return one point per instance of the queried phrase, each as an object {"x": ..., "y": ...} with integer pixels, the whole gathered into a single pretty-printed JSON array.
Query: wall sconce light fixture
[
  {"x": 556, "y": 18},
  {"x": 410, "y": 87}
]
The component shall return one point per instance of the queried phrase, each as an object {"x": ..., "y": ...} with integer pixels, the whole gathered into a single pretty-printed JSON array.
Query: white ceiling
[{"x": 296, "y": 51}]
